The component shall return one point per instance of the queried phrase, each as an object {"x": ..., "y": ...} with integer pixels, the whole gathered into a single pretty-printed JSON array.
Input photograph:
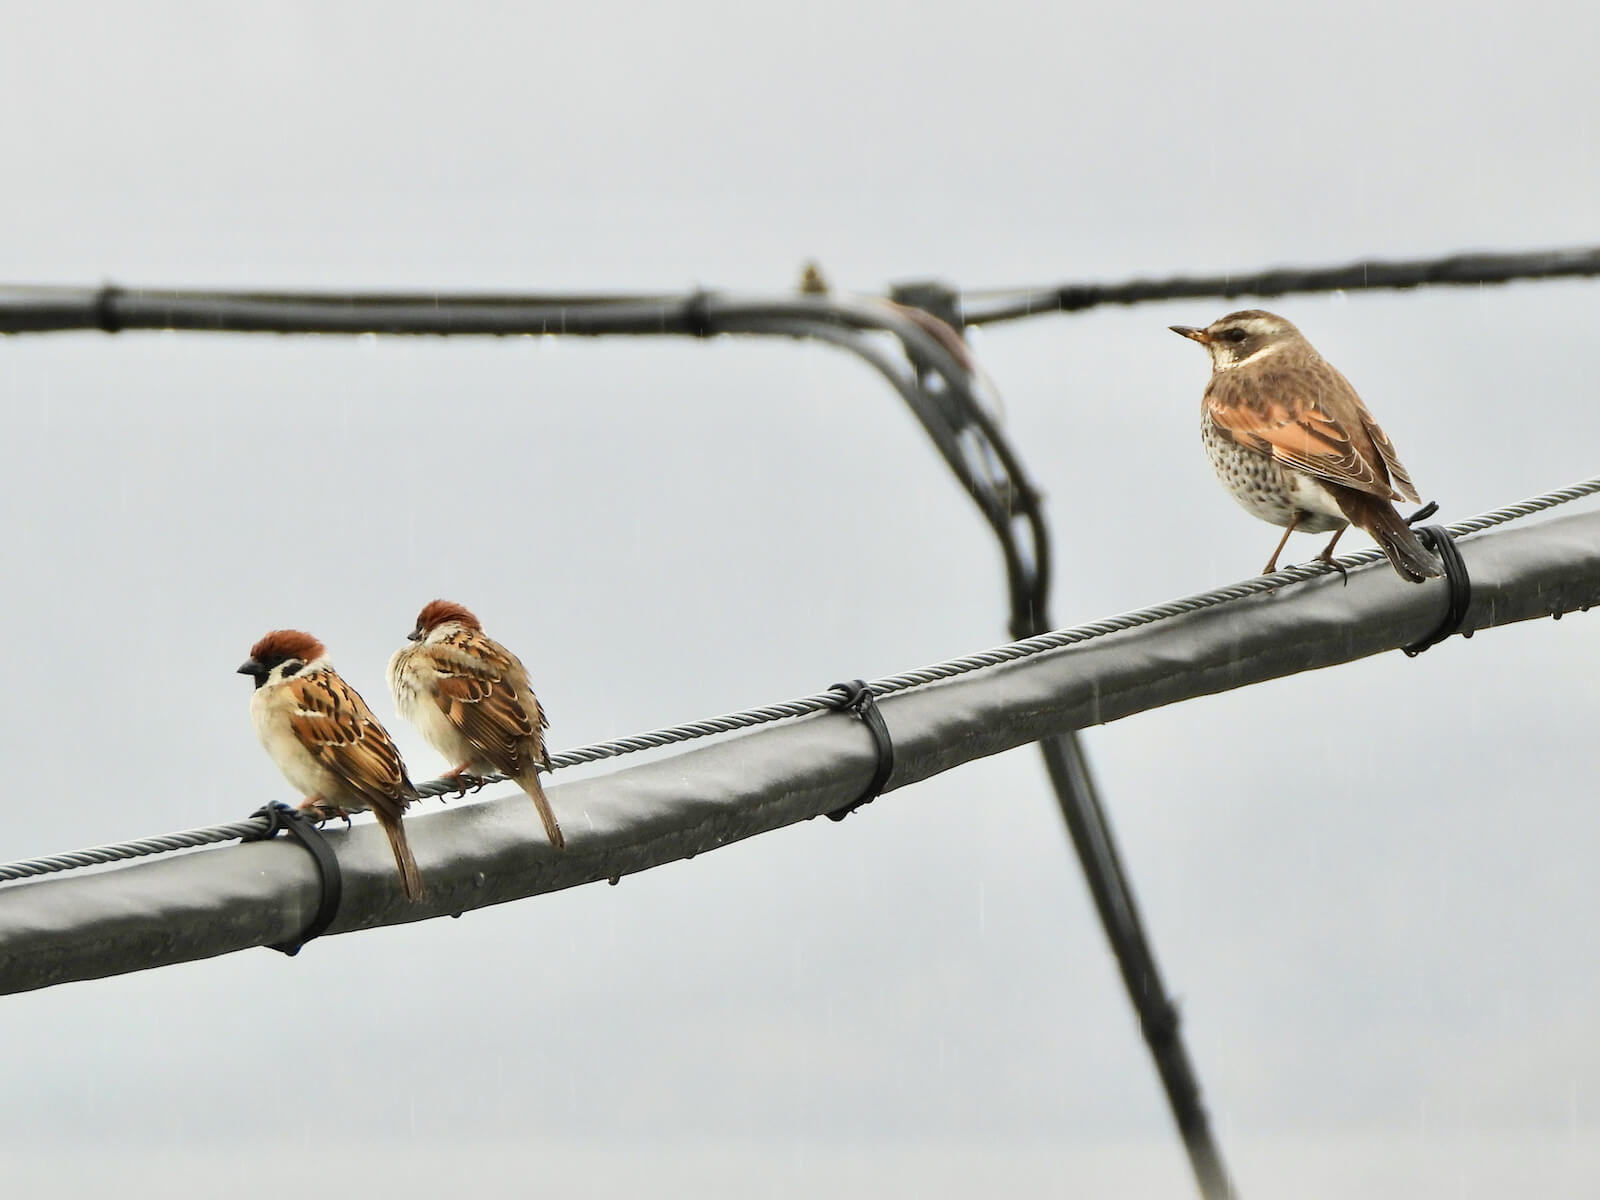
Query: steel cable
[{"x": 823, "y": 701}]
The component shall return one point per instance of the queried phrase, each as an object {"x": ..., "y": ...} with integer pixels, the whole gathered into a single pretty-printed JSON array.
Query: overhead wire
[
  {"x": 115, "y": 308},
  {"x": 889, "y": 685}
]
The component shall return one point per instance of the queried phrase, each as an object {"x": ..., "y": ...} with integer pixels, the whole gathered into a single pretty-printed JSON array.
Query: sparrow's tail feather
[
  {"x": 410, "y": 877},
  {"x": 529, "y": 783},
  {"x": 1378, "y": 517}
]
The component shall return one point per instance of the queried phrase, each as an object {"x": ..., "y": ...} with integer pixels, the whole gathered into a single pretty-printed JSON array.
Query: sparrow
[
  {"x": 326, "y": 741},
  {"x": 1289, "y": 437},
  {"x": 469, "y": 697}
]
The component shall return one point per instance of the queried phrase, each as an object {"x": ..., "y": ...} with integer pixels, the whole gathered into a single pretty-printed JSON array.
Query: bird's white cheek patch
[{"x": 1256, "y": 357}]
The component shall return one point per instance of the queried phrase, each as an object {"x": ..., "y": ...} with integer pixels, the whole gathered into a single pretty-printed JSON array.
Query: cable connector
[
  {"x": 303, "y": 828},
  {"x": 856, "y": 697},
  {"x": 105, "y": 309},
  {"x": 697, "y": 315},
  {"x": 1437, "y": 538}
]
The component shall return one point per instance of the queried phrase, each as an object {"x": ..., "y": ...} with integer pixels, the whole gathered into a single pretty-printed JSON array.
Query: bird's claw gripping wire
[{"x": 465, "y": 781}]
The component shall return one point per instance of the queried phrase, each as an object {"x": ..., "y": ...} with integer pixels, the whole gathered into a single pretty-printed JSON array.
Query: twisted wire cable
[
  {"x": 823, "y": 701},
  {"x": 164, "y": 843}
]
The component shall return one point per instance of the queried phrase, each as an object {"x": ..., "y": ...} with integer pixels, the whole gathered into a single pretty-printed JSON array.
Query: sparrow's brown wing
[
  {"x": 335, "y": 724},
  {"x": 1307, "y": 416},
  {"x": 483, "y": 690}
]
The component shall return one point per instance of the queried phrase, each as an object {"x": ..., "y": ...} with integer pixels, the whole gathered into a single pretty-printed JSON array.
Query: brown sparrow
[
  {"x": 326, "y": 741},
  {"x": 469, "y": 696},
  {"x": 1289, "y": 437}
]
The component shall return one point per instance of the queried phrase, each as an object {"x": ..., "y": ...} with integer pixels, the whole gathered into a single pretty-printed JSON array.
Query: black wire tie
[
  {"x": 1438, "y": 539},
  {"x": 856, "y": 697},
  {"x": 1161, "y": 1022},
  {"x": 303, "y": 828},
  {"x": 697, "y": 314},
  {"x": 105, "y": 312}
]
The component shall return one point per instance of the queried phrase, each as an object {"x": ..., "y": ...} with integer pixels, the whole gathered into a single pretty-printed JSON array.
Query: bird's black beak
[
  {"x": 251, "y": 667},
  {"x": 416, "y": 635},
  {"x": 1193, "y": 334}
]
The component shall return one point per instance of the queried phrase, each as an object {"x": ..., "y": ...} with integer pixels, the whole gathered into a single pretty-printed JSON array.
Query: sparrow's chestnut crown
[
  {"x": 442, "y": 612},
  {"x": 290, "y": 648}
]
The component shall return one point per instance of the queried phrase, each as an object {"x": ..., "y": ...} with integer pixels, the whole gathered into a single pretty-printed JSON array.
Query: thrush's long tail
[
  {"x": 410, "y": 877},
  {"x": 530, "y": 784},
  {"x": 1378, "y": 517}
]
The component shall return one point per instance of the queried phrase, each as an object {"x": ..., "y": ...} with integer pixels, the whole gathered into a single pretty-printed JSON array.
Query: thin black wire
[
  {"x": 992, "y": 305},
  {"x": 1114, "y": 900}
]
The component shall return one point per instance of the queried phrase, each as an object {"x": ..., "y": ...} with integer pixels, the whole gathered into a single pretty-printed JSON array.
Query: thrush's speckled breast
[
  {"x": 1292, "y": 442},
  {"x": 1265, "y": 487}
]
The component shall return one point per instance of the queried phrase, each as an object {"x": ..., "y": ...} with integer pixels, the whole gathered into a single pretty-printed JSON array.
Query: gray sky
[{"x": 1369, "y": 886}]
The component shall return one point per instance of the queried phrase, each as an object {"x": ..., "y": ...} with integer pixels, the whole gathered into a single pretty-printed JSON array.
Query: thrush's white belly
[{"x": 1267, "y": 489}]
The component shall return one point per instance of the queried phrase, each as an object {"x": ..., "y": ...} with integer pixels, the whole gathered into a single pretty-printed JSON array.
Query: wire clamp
[
  {"x": 105, "y": 309},
  {"x": 1437, "y": 538},
  {"x": 697, "y": 314},
  {"x": 1160, "y": 1021},
  {"x": 856, "y": 697},
  {"x": 303, "y": 828}
]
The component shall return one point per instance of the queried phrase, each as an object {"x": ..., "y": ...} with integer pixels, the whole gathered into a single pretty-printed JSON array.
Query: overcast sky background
[{"x": 1372, "y": 887}]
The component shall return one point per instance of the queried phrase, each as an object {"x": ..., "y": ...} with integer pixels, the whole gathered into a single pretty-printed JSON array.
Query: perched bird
[
  {"x": 469, "y": 696},
  {"x": 812, "y": 281},
  {"x": 326, "y": 741},
  {"x": 1289, "y": 437}
]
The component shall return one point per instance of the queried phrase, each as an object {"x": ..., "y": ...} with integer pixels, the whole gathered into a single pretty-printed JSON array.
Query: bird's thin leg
[
  {"x": 314, "y": 806},
  {"x": 1327, "y": 555},
  {"x": 321, "y": 811},
  {"x": 1272, "y": 563}
]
